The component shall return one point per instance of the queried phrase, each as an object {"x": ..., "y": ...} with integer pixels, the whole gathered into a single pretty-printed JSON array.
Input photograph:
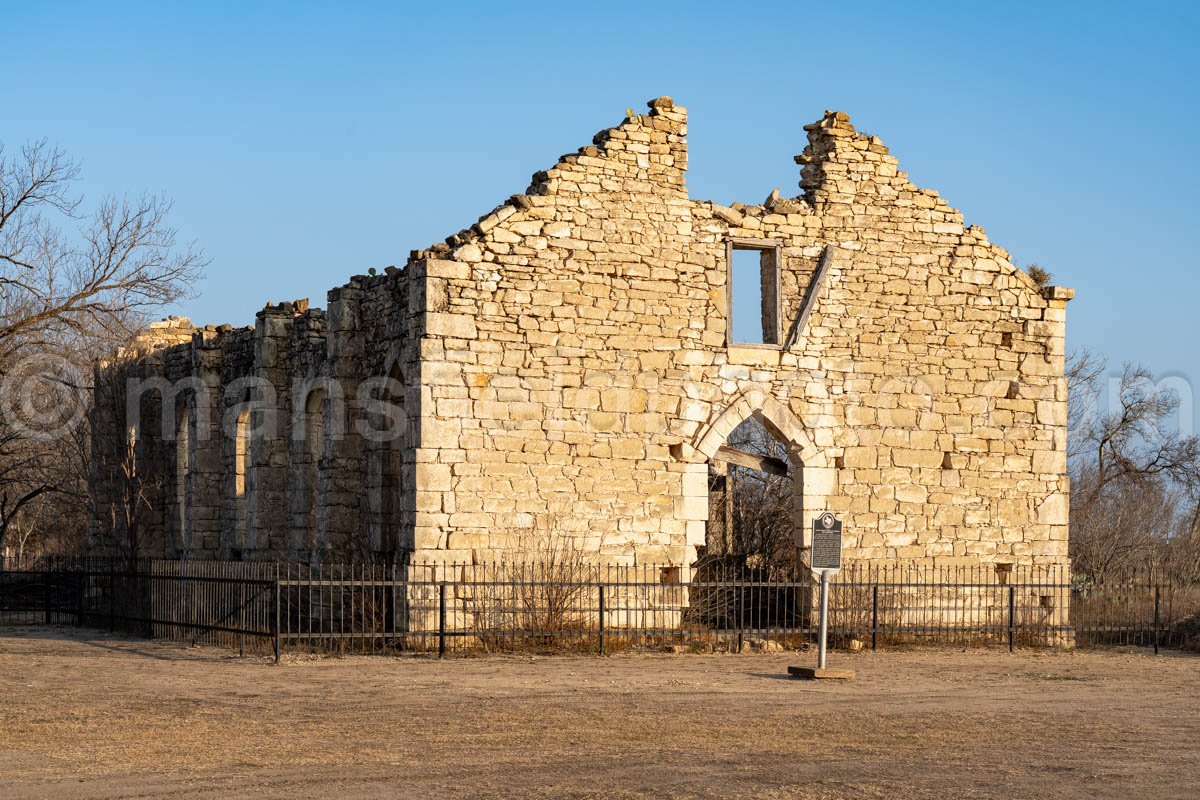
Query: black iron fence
[
  {"x": 575, "y": 607},
  {"x": 227, "y": 603}
]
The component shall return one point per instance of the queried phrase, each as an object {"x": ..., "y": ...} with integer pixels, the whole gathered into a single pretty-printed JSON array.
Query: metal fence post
[
  {"x": 112, "y": 598},
  {"x": 1156, "y": 617},
  {"x": 275, "y": 627},
  {"x": 242, "y": 618},
  {"x": 1012, "y": 618},
  {"x": 441, "y": 619},
  {"x": 80, "y": 599},
  {"x": 46, "y": 597},
  {"x": 602, "y": 619},
  {"x": 874, "y": 615}
]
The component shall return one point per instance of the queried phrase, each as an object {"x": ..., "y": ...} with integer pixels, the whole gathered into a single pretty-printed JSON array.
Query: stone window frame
[
  {"x": 390, "y": 456},
  {"x": 242, "y": 452},
  {"x": 317, "y": 408},
  {"x": 185, "y": 458},
  {"x": 775, "y": 248},
  {"x": 243, "y": 455}
]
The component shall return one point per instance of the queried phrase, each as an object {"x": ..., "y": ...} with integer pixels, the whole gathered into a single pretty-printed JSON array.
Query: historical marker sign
[{"x": 826, "y": 555}]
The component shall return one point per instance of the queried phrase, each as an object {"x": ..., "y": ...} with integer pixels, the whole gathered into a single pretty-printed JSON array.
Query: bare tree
[
  {"x": 73, "y": 283},
  {"x": 1127, "y": 524},
  {"x": 37, "y": 469},
  {"x": 1135, "y": 440},
  {"x": 126, "y": 474},
  {"x": 23, "y": 481},
  {"x": 1084, "y": 373},
  {"x": 1135, "y": 478},
  {"x": 67, "y": 276},
  {"x": 39, "y": 528},
  {"x": 128, "y": 508}
]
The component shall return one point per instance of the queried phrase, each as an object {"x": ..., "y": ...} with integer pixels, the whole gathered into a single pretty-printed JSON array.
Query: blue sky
[{"x": 304, "y": 143}]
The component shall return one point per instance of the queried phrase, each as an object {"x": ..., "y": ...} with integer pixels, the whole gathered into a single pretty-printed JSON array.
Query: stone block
[
  {"x": 918, "y": 458},
  {"x": 1049, "y": 462},
  {"x": 433, "y": 477},
  {"x": 456, "y": 325},
  {"x": 1054, "y": 510},
  {"x": 625, "y": 400}
]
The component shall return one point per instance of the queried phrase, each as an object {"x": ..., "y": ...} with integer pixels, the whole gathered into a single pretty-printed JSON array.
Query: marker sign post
[{"x": 825, "y": 559}]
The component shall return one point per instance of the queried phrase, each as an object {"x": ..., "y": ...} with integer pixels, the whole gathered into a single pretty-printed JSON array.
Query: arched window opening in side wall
[
  {"x": 391, "y": 467},
  {"x": 314, "y": 453},
  {"x": 241, "y": 462},
  {"x": 183, "y": 475}
]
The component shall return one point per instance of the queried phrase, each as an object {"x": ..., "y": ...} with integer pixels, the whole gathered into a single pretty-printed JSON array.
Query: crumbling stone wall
[
  {"x": 297, "y": 371},
  {"x": 567, "y": 371}
]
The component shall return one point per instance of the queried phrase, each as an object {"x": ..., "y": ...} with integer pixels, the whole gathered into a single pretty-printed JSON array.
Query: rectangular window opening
[{"x": 754, "y": 294}]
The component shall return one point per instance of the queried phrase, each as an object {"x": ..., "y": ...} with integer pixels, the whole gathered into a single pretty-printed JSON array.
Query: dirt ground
[{"x": 85, "y": 715}]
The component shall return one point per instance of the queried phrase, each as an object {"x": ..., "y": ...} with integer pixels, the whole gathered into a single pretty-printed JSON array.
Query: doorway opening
[{"x": 752, "y": 504}]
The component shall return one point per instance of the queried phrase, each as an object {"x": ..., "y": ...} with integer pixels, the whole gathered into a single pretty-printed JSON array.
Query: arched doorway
[
  {"x": 766, "y": 482},
  {"x": 751, "y": 521},
  {"x": 786, "y": 451}
]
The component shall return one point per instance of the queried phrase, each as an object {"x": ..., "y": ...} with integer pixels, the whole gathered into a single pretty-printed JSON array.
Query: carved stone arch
[
  {"x": 815, "y": 480},
  {"x": 775, "y": 417}
]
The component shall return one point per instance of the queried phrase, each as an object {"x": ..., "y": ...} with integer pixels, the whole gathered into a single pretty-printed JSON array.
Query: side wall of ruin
[{"x": 263, "y": 442}]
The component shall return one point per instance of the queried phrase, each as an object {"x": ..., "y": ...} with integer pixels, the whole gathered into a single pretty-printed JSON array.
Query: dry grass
[{"x": 93, "y": 716}]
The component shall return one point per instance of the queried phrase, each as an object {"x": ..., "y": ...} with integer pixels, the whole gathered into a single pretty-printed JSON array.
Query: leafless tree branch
[{"x": 73, "y": 284}]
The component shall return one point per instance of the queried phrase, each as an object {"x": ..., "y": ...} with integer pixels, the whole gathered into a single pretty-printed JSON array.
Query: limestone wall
[
  {"x": 274, "y": 463},
  {"x": 566, "y": 372},
  {"x": 586, "y": 376}
]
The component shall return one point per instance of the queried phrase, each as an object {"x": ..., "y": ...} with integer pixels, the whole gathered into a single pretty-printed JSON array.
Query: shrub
[{"x": 1041, "y": 277}]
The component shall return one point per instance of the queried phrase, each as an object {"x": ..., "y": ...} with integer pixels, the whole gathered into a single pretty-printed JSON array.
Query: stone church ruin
[{"x": 569, "y": 369}]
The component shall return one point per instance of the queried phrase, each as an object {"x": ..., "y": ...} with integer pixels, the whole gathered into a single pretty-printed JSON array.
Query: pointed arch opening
[
  {"x": 184, "y": 468},
  {"x": 752, "y": 497},
  {"x": 314, "y": 452},
  {"x": 758, "y": 448},
  {"x": 384, "y": 481},
  {"x": 241, "y": 483}
]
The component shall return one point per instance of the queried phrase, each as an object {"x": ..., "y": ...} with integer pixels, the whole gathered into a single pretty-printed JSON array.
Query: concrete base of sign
[{"x": 813, "y": 673}]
